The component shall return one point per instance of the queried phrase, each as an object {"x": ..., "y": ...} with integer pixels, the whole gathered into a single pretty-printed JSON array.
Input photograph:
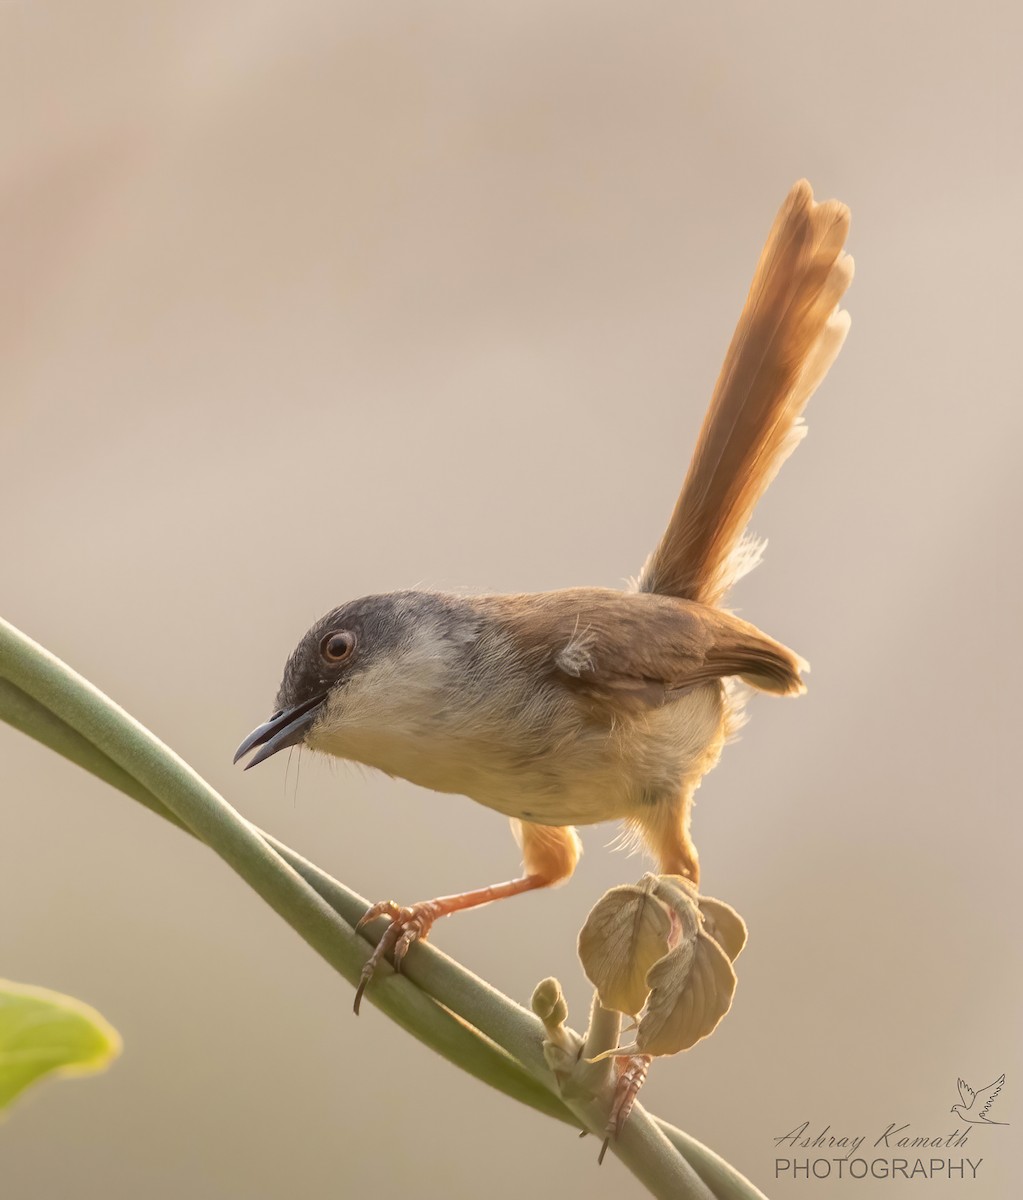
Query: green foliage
[{"x": 45, "y": 1033}]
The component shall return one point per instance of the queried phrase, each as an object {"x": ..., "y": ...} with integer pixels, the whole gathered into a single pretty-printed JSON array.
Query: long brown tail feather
[{"x": 788, "y": 335}]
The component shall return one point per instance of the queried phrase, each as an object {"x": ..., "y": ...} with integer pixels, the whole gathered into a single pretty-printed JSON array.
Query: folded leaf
[
  {"x": 724, "y": 925},
  {"x": 627, "y": 931},
  {"x": 661, "y": 952},
  {"x": 691, "y": 989}
]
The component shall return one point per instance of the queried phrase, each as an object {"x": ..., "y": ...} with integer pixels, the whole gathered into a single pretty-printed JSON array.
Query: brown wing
[{"x": 640, "y": 647}]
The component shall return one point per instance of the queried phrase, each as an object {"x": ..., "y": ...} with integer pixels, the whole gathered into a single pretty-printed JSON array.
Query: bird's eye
[{"x": 336, "y": 647}]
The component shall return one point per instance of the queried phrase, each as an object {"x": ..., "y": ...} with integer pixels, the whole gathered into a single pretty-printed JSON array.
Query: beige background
[{"x": 308, "y": 300}]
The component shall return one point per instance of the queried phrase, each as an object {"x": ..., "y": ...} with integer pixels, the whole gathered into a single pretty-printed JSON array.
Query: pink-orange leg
[
  {"x": 549, "y": 854},
  {"x": 413, "y": 923}
]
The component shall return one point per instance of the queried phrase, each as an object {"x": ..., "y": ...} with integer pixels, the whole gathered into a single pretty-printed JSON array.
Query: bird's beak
[{"x": 286, "y": 728}]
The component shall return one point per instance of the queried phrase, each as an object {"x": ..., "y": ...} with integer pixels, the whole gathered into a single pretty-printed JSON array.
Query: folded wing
[{"x": 638, "y": 650}]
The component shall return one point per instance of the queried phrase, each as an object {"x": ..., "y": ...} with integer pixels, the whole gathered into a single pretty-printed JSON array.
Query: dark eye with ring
[{"x": 337, "y": 647}]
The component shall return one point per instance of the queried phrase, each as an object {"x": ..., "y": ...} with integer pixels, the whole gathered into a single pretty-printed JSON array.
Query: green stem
[
  {"x": 720, "y": 1176},
  {"x": 170, "y": 782},
  {"x": 501, "y": 1019}
]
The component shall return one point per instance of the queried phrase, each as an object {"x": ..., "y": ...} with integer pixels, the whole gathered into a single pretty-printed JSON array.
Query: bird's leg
[
  {"x": 413, "y": 923},
  {"x": 550, "y": 854},
  {"x": 632, "y": 1073},
  {"x": 665, "y": 829}
]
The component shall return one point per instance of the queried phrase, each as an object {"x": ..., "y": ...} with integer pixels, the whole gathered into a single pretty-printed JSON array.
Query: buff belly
[{"x": 577, "y": 775}]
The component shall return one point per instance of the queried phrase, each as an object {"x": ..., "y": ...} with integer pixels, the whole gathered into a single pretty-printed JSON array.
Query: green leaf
[{"x": 44, "y": 1033}]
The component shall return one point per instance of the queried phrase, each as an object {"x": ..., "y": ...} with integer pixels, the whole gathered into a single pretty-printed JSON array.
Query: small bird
[
  {"x": 975, "y": 1105},
  {"x": 589, "y": 704}
]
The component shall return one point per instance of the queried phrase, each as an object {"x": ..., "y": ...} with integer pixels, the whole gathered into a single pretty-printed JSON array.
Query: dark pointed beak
[{"x": 286, "y": 728}]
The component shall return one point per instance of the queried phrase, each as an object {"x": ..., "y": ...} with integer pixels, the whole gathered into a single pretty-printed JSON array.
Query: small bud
[
  {"x": 561, "y": 1045},
  {"x": 549, "y": 1004}
]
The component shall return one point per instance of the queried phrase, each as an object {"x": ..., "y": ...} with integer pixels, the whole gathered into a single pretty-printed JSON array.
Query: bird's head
[{"x": 375, "y": 664}]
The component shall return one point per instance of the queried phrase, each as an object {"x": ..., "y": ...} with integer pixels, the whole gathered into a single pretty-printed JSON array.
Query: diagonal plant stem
[
  {"x": 506, "y": 1023},
  {"x": 328, "y": 933},
  {"x": 503, "y": 1043},
  {"x": 429, "y": 968}
]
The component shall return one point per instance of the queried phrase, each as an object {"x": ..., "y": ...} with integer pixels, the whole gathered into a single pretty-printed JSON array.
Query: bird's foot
[
  {"x": 408, "y": 925},
  {"x": 632, "y": 1072}
]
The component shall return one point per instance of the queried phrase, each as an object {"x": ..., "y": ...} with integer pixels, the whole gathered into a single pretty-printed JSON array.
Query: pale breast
[{"x": 577, "y": 774}]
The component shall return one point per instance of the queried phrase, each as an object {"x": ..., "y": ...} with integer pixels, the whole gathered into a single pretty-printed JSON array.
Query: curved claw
[
  {"x": 408, "y": 925},
  {"x": 380, "y": 909},
  {"x": 401, "y": 947}
]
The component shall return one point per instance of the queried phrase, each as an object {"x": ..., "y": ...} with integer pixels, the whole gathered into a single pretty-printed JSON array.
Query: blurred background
[{"x": 311, "y": 300}]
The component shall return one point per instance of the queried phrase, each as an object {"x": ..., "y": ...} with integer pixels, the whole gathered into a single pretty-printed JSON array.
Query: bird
[
  {"x": 590, "y": 704},
  {"x": 975, "y": 1105}
]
